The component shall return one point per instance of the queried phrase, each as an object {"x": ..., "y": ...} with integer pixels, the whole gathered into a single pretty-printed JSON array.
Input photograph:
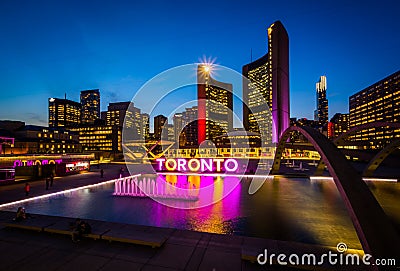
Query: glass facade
[
  {"x": 340, "y": 124},
  {"x": 379, "y": 102},
  {"x": 268, "y": 85},
  {"x": 100, "y": 138},
  {"x": 159, "y": 122},
  {"x": 322, "y": 102},
  {"x": 188, "y": 136},
  {"x": 64, "y": 113},
  {"x": 90, "y": 102},
  {"x": 215, "y": 105},
  {"x": 126, "y": 115}
]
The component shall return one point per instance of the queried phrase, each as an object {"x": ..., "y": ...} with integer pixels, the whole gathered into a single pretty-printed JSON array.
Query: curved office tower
[
  {"x": 215, "y": 104},
  {"x": 270, "y": 77}
]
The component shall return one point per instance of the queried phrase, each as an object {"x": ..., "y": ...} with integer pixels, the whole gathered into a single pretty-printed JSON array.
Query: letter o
[
  {"x": 235, "y": 165},
  {"x": 17, "y": 163},
  {"x": 167, "y": 164},
  {"x": 197, "y": 164}
]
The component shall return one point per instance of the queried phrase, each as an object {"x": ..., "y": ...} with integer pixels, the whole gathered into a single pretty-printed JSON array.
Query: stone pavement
[
  {"x": 25, "y": 250},
  {"x": 183, "y": 250}
]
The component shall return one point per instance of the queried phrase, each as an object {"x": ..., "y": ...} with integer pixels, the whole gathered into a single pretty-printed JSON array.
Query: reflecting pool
[{"x": 302, "y": 210}]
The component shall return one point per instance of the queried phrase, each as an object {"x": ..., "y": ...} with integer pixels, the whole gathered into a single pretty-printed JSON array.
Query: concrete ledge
[
  {"x": 139, "y": 238},
  {"x": 28, "y": 224}
]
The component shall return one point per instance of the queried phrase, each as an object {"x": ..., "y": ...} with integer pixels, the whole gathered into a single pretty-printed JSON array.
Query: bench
[{"x": 138, "y": 238}]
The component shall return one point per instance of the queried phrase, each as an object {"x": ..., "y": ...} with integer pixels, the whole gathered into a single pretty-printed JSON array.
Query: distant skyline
[{"x": 50, "y": 48}]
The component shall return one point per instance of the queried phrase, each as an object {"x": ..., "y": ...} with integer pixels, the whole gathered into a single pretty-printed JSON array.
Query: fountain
[{"x": 154, "y": 188}]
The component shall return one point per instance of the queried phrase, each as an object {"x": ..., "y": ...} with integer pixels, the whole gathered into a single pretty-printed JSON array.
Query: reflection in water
[{"x": 286, "y": 209}]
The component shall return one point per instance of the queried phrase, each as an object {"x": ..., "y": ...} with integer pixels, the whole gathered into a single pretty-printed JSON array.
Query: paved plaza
[{"x": 182, "y": 250}]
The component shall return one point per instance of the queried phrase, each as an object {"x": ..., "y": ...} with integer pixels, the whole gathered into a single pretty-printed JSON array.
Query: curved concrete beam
[
  {"x": 379, "y": 157},
  {"x": 374, "y": 229}
]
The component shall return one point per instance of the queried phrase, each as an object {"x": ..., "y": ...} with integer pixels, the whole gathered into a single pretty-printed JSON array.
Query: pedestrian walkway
[
  {"x": 33, "y": 249},
  {"x": 14, "y": 192}
]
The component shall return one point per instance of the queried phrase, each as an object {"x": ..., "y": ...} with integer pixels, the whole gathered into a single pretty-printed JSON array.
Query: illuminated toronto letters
[
  {"x": 195, "y": 165},
  {"x": 30, "y": 163}
]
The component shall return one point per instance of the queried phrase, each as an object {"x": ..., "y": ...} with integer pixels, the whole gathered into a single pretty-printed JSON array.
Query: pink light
[
  {"x": 160, "y": 161},
  {"x": 196, "y": 164},
  {"x": 215, "y": 174},
  {"x": 181, "y": 164}
]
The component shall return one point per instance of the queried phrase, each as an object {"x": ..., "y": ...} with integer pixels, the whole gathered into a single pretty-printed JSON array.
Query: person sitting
[
  {"x": 85, "y": 227},
  {"x": 81, "y": 228},
  {"x": 21, "y": 215}
]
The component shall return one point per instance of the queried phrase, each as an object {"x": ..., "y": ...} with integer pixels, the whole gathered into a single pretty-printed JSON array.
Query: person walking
[
  {"x": 101, "y": 173},
  {"x": 27, "y": 189},
  {"x": 51, "y": 179}
]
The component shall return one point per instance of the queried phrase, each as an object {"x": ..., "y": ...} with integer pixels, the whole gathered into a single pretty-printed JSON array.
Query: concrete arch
[
  {"x": 379, "y": 157},
  {"x": 367, "y": 215},
  {"x": 340, "y": 140}
]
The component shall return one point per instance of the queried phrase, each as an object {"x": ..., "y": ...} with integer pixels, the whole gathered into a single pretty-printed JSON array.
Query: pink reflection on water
[{"x": 218, "y": 202}]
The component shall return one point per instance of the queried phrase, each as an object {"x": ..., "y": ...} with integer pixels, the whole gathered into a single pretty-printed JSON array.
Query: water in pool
[{"x": 302, "y": 210}]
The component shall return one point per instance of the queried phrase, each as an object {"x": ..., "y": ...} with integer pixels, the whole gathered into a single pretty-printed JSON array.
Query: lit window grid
[{"x": 379, "y": 102}]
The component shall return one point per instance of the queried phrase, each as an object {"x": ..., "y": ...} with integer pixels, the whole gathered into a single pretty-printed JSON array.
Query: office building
[
  {"x": 188, "y": 137},
  {"x": 215, "y": 105},
  {"x": 64, "y": 113},
  {"x": 145, "y": 125},
  {"x": 321, "y": 113},
  {"x": 159, "y": 132},
  {"x": 171, "y": 132},
  {"x": 269, "y": 79},
  {"x": 338, "y": 125},
  {"x": 379, "y": 102},
  {"x": 178, "y": 126},
  {"x": 105, "y": 138},
  {"x": 116, "y": 112},
  {"x": 126, "y": 115},
  {"x": 90, "y": 102},
  {"x": 33, "y": 139}
]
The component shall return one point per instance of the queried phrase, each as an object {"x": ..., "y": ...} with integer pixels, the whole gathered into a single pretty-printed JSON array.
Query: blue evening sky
[{"x": 48, "y": 48}]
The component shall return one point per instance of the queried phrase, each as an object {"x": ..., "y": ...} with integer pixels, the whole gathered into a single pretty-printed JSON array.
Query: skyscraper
[
  {"x": 90, "y": 102},
  {"x": 178, "y": 126},
  {"x": 269, "y": 76},
  {"x": 145, "y": 125},
  {"x": 159, "y": 122},
  {"x": 189, "y": 135},
  {"x": 116, "y": 113},
  {"x": 215, "y": 105},
  {"x": 322, "y": 101},
  {"x": 127, "y": 115},
  {"x": 64, "y": 113},
  {"x": 340, "y": 123}
]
